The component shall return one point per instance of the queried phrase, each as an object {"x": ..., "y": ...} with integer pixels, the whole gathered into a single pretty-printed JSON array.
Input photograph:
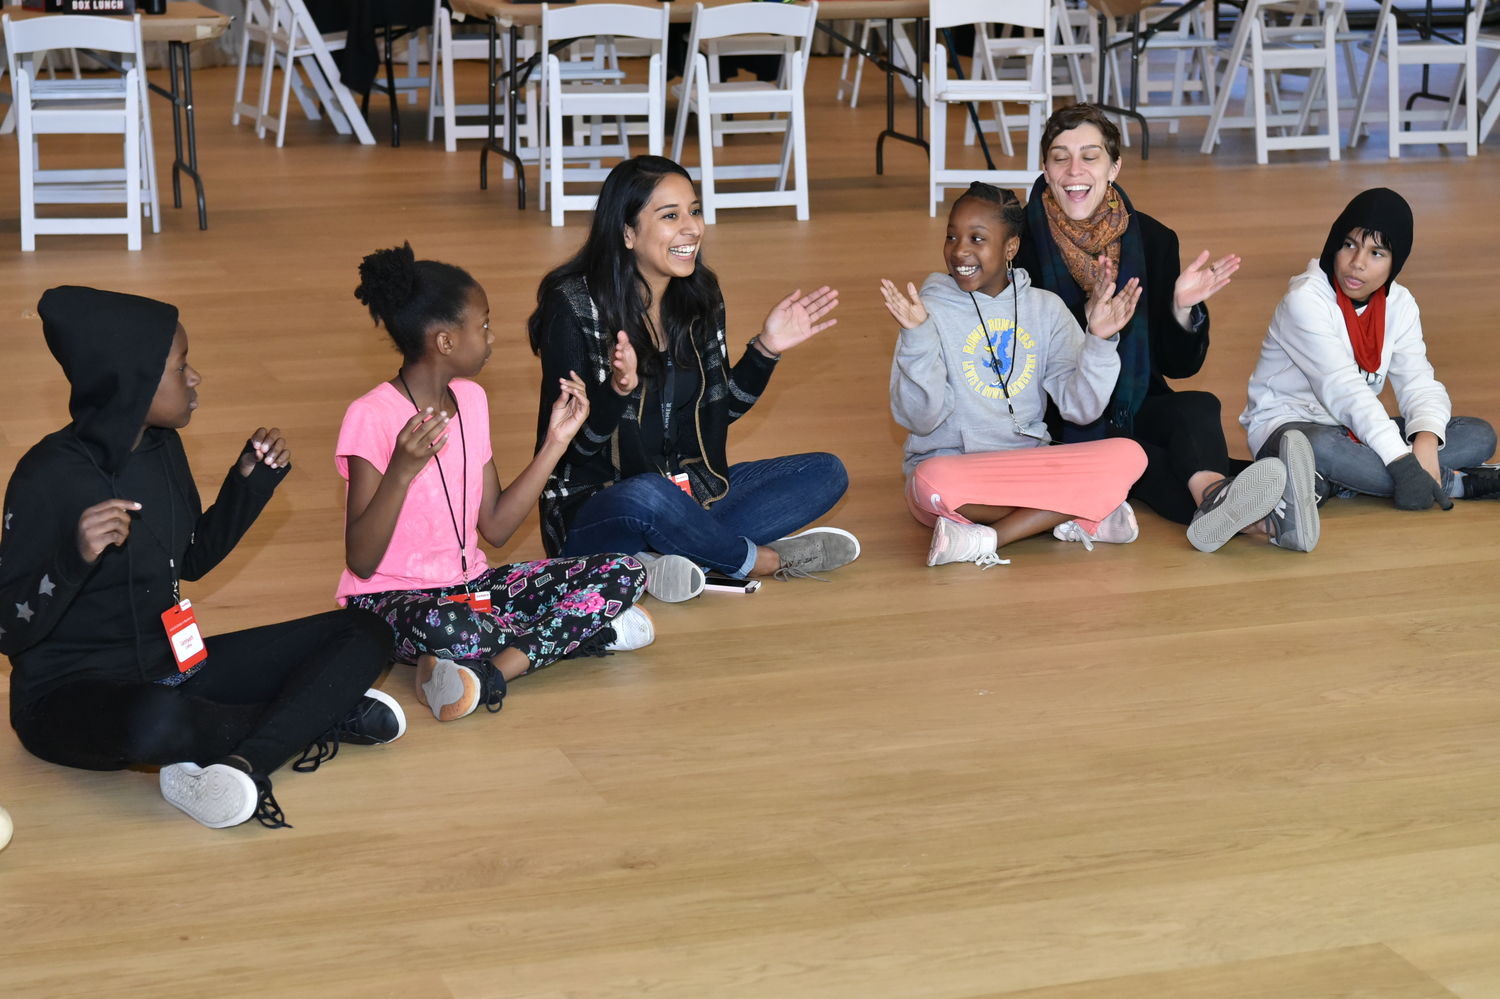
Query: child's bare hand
[
  {"x": 422, "y": 437},
  {"x": 102, "y": 525},
  {"x": 906, "y": 309},
  {"x": 265, "y": 447},
  {"x": 570, "y": 409}
]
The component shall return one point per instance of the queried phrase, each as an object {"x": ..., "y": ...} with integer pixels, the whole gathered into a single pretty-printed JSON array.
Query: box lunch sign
[{"x": 81, "y": 6}]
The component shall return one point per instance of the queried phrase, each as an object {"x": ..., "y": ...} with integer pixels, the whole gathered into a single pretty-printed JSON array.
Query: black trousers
[
  {"x": 263, "y": 694},
  {"x": 1181, "y": 435}
]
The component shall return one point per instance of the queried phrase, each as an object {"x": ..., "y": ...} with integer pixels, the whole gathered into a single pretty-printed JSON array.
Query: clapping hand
[
  {"x": 907, "y": 309},
  {"x": 794, "y": 319},
  {"x": 265, "y": 447},
  {"x": 1198, "y": 283},
  {"x": 570, "y": 409},
  {"x": 623, "y": 374},
  {"x": 422, "y": 437},
  {"x": 1108, "y": 312}
]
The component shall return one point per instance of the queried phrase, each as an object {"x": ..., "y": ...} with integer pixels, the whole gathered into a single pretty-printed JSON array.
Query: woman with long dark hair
[{"x": 640, "y": 318}]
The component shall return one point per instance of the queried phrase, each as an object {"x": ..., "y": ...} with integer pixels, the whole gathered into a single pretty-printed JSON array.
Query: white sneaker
[
  {"x": 955, "y": 542},
  {"x": 634, "y": 629},
  {"x": 218, "y": 795},
  {"x": 1119, "y": 528},
  {"x": 672, "y": 578}
]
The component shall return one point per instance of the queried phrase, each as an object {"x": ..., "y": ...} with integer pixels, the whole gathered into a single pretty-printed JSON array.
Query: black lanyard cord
[
  {"x": 1015, "y": 330},
  {"x": 463, "y": 555}
]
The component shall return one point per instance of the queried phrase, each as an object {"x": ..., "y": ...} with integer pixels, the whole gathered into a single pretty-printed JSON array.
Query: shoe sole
[
  {"x": 674, "y": 578},
  {"x": 217, "y": 796},
  {"x": 1252, "y": 495},
  {"x": 1302, "y": 482},
  {"x": 390, "y": 702},
  {"x": 449, "y": 690},
  {"x": 651, "y": 637}
]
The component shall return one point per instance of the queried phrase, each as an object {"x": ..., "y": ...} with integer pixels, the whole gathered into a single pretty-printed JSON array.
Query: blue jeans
[
  {"x": 1352, "y": 467},
  {"x": 767, "y": 500}
]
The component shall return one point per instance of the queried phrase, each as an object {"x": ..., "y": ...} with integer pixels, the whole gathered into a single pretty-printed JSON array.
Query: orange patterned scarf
[{"x": 1081, "y": 243}]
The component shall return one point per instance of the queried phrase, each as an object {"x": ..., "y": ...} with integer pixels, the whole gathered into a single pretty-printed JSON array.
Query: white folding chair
[
  {"x": 583, "y": 99},
  {"x": 1178, "y": 62},
  {"x": 294, "y": 42},
  {"x": 111, "y": 105},
  {"x": 1305, "y": 47},
  {"x": 1488, "y": 92},
  {"x": 1458, "y": 123},
  {"x": 1034, "y": 91},
  {"x": 788, "y": 28}
]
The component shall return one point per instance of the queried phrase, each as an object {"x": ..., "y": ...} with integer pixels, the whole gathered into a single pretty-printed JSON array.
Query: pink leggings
[{"x": 1085, "y": 481}]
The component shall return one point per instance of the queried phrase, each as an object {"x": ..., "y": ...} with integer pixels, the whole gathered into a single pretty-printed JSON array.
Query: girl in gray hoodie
[{"x": 980, "y": 353}]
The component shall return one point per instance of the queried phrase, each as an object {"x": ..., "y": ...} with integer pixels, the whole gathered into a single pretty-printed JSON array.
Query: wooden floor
[{"x": 1137, "y": 772}]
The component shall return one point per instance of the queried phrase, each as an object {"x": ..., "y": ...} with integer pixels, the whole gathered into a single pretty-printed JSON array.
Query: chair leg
[
  {"x": 705, "y": 137},
  {"x": 938, "y": 158},
  {"x": 796, "y": 127},
  {"x": 132, "y": 150}
]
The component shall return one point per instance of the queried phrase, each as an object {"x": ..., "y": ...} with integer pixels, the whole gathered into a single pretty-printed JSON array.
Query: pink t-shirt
[{"x": 424, "y": 549}]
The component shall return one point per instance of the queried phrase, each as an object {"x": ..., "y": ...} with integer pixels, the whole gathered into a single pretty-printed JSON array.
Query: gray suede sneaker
[
  {"x": 1294, "y": 523},
  {"x": 1230, "y": 505},
  {"x": 820, "y": 549}
]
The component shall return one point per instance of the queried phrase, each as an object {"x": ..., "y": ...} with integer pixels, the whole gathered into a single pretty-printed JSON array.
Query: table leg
[
  {"x": 183, "y": 120},
  {"x": 1131, "y": 112},
  {"x": 891, "y": 69},
  {"x": 491, "y": 144}
]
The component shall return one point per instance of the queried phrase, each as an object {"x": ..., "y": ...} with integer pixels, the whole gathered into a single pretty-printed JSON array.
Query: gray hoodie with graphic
[{"x": 943, "y": 384}]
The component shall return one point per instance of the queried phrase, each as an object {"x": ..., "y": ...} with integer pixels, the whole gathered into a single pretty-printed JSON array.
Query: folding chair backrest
[
  {"x": 624, "y": 20},
  {"x": 71, "y": 31},
  {"x": 789, "y": 20},
  {"x": 1021, "y": 13}
]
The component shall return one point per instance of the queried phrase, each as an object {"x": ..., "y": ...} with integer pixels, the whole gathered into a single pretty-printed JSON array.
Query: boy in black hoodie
[{"x": 101, "y": 522}]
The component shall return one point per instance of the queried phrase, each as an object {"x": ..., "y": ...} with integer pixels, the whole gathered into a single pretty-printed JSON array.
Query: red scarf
[{"x": 1366, "y": 332}]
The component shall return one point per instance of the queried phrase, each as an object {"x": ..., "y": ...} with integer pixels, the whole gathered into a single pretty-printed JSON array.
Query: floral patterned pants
[{"x": 546, "y": 609}]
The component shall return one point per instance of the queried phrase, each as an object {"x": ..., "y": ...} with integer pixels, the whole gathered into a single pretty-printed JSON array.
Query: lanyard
[
  {"x": 1015, "y": 331},
  {"x": 463, "y": 553}
]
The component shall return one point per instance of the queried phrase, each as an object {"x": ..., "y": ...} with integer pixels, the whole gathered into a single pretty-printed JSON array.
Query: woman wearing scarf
[
  {"x": 1083, "y": 235},
  {"x": 1344, "y": 328}
]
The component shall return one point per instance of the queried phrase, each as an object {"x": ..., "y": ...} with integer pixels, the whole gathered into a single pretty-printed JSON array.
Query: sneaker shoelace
[
  {"x": 989, "y": 560},
  {"x": 326, "y": 746},
  {"x": 1072, "y": 532},
  {"x": 267, "y": 812},
  {"x": 794, "y": 570}
]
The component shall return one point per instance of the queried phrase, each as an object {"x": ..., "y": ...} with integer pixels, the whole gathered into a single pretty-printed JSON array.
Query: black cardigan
[{"x": 572, "y": 340}]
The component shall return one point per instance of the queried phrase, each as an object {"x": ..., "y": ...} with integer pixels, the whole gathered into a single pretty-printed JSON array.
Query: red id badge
[
  {"x": 478, "y": 601},
  {"x": 183, "y": 634},
  {"x": 682, "y": 483}
]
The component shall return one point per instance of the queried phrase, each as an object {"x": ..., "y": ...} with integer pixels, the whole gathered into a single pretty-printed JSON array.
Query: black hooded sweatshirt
[{"x": 61, "y": 619}]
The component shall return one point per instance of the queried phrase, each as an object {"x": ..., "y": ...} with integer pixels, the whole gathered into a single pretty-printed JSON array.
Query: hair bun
[{"x": 387, "y": 280}]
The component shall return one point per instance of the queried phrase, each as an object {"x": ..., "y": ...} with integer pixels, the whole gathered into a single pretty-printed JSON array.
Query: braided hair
[{"x": 1007, "y": 205}]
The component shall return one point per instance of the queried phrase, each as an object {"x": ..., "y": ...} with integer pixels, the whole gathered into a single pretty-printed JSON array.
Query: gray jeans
[{"x": 1351, "y": 467}]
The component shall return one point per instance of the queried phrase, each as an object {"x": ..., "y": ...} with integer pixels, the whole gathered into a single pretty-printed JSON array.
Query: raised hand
[
  {"x": 422, "y": 437},
  {"x": 1198, "y": 283},
  {"x": 623, "y": 374},
  {"x": 1108, "y": 312},
  {"x": 265, "y": 447},
  {"x": 570, "y": 409},
  {"x": 102, "y": 525},
  {"x": 907, "y": 309},
  {"x": 794, "y": 319}
]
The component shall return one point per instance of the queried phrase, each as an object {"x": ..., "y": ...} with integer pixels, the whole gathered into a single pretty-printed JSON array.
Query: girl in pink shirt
[{"x": 422, "y": 487}]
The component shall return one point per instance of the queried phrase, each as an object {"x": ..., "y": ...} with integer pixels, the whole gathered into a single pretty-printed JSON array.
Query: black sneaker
[
  {"x": 221, "y": 795},
  {"x": 375, "y": 720},
  {"x": 1481, "y": 482},
  {"x": 491, "y": 685}
]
